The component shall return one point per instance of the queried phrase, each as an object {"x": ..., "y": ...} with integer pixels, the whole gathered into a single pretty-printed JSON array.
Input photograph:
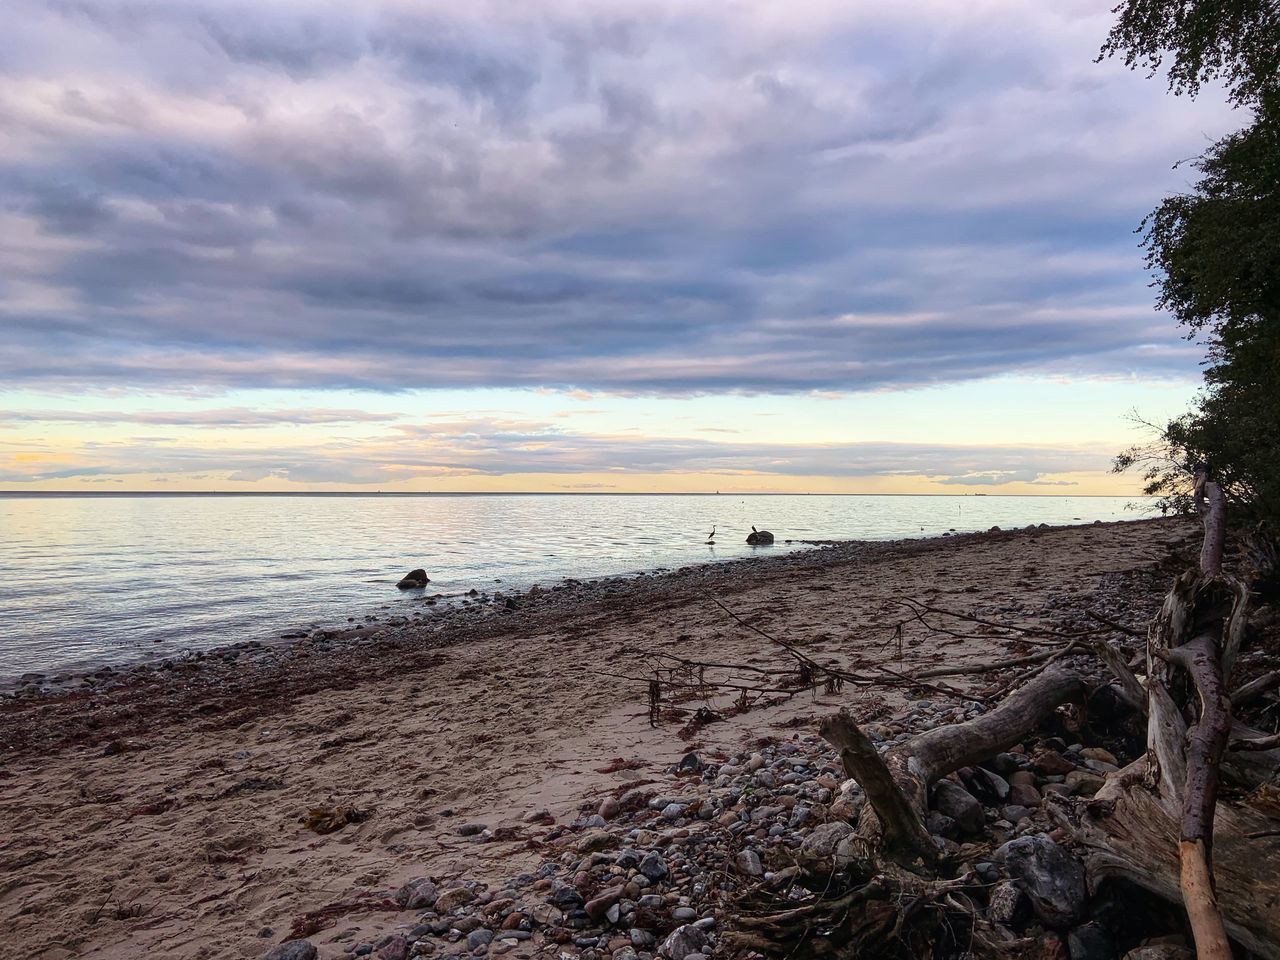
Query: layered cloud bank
[
  {"x": 627, "y": 196},
  {"x": 449, "y": 450},
  {"x": 641, "y": 198}
]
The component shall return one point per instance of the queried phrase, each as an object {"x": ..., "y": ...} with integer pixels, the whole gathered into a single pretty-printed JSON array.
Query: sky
[{"x": 581, "y": 245}]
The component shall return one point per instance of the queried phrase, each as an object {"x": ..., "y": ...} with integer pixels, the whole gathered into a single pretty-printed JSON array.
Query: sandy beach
[{"x": 164, "y": 817}]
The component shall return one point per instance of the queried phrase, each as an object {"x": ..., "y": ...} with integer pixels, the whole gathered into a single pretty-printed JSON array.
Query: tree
[
  {"x": 1233, "y": 41},
  {"x": 1216, "y": 249}
]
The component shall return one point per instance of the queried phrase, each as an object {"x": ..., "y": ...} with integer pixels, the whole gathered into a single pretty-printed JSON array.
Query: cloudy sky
[{"x": 561, "y": 245}]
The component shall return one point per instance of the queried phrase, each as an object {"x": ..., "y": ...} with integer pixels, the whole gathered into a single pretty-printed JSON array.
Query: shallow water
[{"x": 118, "y": 579}]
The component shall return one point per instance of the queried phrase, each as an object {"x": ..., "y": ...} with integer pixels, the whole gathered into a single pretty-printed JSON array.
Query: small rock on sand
[
  {"x": 683, "y": 942},
  {"x": 418, "y": 894},
  {"x": 292, "y": 950}
]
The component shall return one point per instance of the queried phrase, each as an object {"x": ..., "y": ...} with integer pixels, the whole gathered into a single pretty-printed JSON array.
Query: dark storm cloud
[{"x": 637, "y": 198}]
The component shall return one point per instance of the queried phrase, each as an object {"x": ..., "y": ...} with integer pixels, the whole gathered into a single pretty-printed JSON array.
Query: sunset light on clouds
[{"x": 582, "y": 246}]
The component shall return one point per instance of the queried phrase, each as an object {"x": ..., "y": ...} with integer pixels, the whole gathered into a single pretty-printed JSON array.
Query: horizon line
[{"x": 517, "y": 493}]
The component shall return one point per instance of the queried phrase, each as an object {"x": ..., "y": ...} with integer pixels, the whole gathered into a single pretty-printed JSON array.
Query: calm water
[{"x": 87, "y": 580}]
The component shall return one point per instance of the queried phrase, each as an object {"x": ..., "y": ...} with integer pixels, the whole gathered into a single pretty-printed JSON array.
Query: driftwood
[
  {"x": 897, "y": 786},
  {"x": 897, "y": 900},
  {"x": 1158, "y": 823}
]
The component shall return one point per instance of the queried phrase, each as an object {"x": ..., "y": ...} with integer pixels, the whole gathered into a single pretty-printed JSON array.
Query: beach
[{"x": 161, "y": 812}]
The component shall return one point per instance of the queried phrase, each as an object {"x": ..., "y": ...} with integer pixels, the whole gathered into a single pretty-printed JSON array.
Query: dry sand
[{"x": 162, "y": 819}]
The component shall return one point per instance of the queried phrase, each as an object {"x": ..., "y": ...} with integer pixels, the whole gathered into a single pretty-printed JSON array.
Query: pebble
[
  {"x": 749, "y": 863},
  {"x": 292, "y": 950},
  {"x": 642, "y": 874}
]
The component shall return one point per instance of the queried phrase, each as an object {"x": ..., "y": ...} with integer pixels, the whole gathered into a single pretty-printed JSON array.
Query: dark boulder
[
  {"x": 957, "y": 803},
  {"x": 759, "y": 537},
  {"x": 1052, "y": 878},
  {"x": 414, "y": 580}
]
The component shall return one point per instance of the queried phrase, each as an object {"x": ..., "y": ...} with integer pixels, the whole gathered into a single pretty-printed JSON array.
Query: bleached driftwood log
[
  {"x": 897, "y": 786},
  {"x": 1158, "y": 823}
]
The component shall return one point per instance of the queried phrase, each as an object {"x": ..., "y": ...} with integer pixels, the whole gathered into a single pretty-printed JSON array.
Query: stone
[
  {"x": 451, "y": 900},
  {"x": 1084, "y": 782},
  {"x": 397, "y": 948},
  {"x": 641, "y": 939},
  {"x": 1014, "y": 813},
  {"x": 985, "y": 785},
  {"x": 1002, "y": 905},
  {"x": 609, "y": 808},
  {"x": 417, "y": 894},
  {"x": 1051, "y": 947},
  {"x": 1097, "y": 753},
  {"x": 479, "y": 938},
  {"x": 690, "y": 763},
  {"x": 414, "y": 580},
  {"x": 820, "y": 846},
  {"x": 1024, "y": 795},
  {"x": 546, "y": 914},
  {"x": 292, "y": 950},
  {"x": 1052, "y": 878},
  {"x": 1160, "y": 951},
  {"x": 1090, "y": 941},
  {"x": 594, "y": 841},
  {"x": 653, "y": 867},
  {"x": 1046, "y": 761},
  {"x": 599, "y": 906},
  {"x": 566, "y": 898},
  {"x": 940, "y": 825},
  {"x": 959, "y": 804},
  {"x": 759, "y": 537},
  {"x": 748, "y": 862},
  {"x": 683, "y": 942},
  {"x": 1005, "y": 763}
]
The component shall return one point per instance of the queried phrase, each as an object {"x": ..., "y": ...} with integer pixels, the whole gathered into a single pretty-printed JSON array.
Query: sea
[{"x": 88, "y": 580}]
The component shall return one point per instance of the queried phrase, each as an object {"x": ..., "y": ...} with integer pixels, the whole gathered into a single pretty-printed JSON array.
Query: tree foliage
[
  {"x": 1236, "y": 42},
  {"x": 1216, "y": 250}
]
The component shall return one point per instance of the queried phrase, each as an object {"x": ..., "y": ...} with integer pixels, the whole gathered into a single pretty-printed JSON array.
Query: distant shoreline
[{"x": 523, "y": 493}]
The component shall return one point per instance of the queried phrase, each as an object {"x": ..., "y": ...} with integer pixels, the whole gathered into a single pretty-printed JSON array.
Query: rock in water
[
  {"x": 759, "y": 537},
  {"x": 414, "y": 580},
  {"x": 1052, "y": 878},
  {"x": 292, "y": 950}
]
